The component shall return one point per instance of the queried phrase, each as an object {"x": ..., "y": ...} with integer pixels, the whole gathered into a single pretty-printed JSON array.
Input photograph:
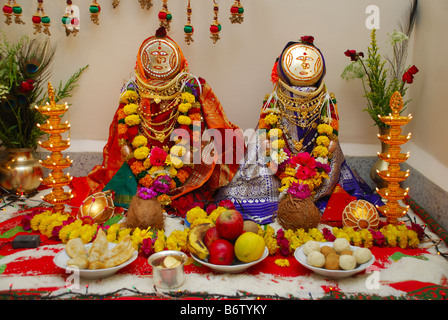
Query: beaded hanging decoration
[
  {"x": 40, "y": 19},
  {"x": 165, "y": 16},
  {"x": 10, "y": 9},
  {"x": 236, "y": 12},
  {"x": 145, "y": 4},
  {"x": 95, "y": 12},
  {"x": 188, "y": 28},
  {"x": 215, "y": 27},
  {"x": 70, "y": 19}
]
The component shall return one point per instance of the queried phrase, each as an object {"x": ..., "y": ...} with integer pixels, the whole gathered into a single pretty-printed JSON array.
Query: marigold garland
[
  {"x": 156, "y": 171},
  {"x": 63, "y": 227},
  {"x": 298, "y": 178}
]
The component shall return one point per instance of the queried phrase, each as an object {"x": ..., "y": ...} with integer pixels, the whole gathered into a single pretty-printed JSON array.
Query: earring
[
  {"x": 145, "y": 4},
  {"x": 215, "y": 28},
  {"x": 188, "y": 28},
  {"x": 12, "y": 8},
  {"x": 40, "y": 19},
  {"x": 165, "y": 16},
  {"x": 236, "y": 12},
  {"x": 95, "y": 12}
]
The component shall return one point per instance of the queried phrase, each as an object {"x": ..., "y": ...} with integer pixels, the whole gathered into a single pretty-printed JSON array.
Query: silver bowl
[{"x": 167, "y": 278}]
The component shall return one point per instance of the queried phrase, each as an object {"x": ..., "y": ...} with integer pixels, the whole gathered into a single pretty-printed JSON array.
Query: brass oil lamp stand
[
  {"x": 393, "y": 192},
  {"x": 57, "y": 180}
]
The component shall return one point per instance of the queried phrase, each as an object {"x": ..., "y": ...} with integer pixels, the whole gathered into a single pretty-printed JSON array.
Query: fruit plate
[
  {"x": 62, "y": 257},
  {"x": 233, "y": 268},
  {"x": 333, "y": 274}
]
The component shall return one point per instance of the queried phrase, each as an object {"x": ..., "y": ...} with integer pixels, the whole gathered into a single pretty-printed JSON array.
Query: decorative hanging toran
[
  {"x": 188, "y": 28},
  {"x": 215, "y": 27},
  {"x": 165, "y": 16},
  {"x": 95, "y": 12},
  {"x": 236, "y": 12},
  {"x": 145, "y": 4},
  {"x": 40, "y": 19},
  {"x": 10, "y": 9},
  {"x": 70, "y": 19}
]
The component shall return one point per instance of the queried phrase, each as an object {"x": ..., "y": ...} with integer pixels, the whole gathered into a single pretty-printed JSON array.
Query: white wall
[{"x": 238, "y": 66}]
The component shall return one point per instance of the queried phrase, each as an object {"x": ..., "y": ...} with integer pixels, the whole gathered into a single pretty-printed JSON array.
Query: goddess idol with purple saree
[{"x": 299, "y": 122}]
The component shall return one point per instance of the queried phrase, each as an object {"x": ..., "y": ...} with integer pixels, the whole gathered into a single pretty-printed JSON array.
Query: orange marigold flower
[
  {"x": 137, "y": 167},
  {"x": 182, "y": 175},
  {"x": 122, "y": 128},
  {"x": 263, "y": 125},
  {"x": 146, "y": 181},
  {"x": 195, "y": 116},
  {"x": 121, "y": 114}
]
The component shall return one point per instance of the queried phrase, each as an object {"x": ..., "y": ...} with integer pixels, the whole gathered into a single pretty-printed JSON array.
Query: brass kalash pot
[{"x": 20, "y": 172}]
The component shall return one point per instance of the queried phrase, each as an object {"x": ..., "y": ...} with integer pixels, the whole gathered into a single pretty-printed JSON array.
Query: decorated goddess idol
[
  {"x": 156, "y": 156},
  {"x": 295, "y": 153}
]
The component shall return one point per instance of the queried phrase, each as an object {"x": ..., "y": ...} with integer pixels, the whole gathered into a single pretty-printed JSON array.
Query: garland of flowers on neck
[
  {"x": 300, "y": 174},
  {"x": 156, "y": 169}
]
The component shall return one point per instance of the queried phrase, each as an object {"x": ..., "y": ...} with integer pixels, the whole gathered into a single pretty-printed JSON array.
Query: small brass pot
[{"x": 21, "y": 172}]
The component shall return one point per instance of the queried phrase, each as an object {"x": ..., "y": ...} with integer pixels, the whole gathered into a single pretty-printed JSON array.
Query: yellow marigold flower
[
  {"x": 325, "y": 129},
  {"x": 320, "y": 151},
  {"x": 87, "y": 232},
  {"x": 286, "y": 182},
  {"x": 176, "y": 162},
  {"x": 123, "y": 232},
  {"x": 178, "y": 150},
  {"x": 132, "y": 120},
  {"x": 164, "y": 199},
  {"x": 282, "y": 262},
  {"x": 184, "y": 120},
  {"x": 323, "y": 141},
  {"x": 290, "y": 171},
  {"x": 130, "y": 108},
  {"x": 177, "y": 240},
  {"x": 141, "y": 153},
  {"x": 172, "y": 171},
  {"x": 188, "y": 97},
  {"x": 278, "y": 144},
  {"x": 196, "y": 213},
  {"x": 139, "y": 141},
  {"x": 184, "y": 107},
  {"x": 112, "y": 232},
  {"x": 215, "y": 213},
  {"x": 160, "y": 243},
  {"x": 129, "y": 96},
  {"x": 275, "y": 132},
  {"x": 270, "y": 119}
]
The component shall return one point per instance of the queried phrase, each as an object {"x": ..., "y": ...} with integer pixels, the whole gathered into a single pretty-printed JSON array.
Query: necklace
[{"x": 160, "y": 135}]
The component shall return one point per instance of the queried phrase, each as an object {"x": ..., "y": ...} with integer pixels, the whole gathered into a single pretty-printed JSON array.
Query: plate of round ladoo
[
  {"x": 62, "y": 257},
  {"x": 235, "y": 267},
  {"x": 302, "y": 258}
]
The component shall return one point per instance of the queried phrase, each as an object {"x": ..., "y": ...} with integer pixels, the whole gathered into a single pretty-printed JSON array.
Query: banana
[{"x": 195, "y": 243}]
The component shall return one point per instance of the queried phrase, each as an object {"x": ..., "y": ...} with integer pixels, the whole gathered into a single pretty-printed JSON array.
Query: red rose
[
  {"x": 354, "y": 56},
  {"x": 408, "y": 77},
  {"x": 26, "y": 86},
  {"x": 413, "y": 70},
  {"x": 307, "y": 39}
]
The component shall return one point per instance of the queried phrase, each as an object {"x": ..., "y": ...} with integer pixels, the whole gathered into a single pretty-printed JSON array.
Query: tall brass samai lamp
[
  {"x": 57, "y": 180},
  {"x": 393, "y": 193}
]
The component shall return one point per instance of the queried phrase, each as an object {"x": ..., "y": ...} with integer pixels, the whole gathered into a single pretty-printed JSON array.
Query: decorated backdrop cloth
[{"x": 396, "y": 274}]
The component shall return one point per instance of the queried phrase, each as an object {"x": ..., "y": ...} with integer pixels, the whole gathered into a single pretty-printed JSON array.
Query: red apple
[
  {"x": 230, "y": 224},
  {"x": 221, "y": 252},
  {"x": 210, "y": 236}
]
